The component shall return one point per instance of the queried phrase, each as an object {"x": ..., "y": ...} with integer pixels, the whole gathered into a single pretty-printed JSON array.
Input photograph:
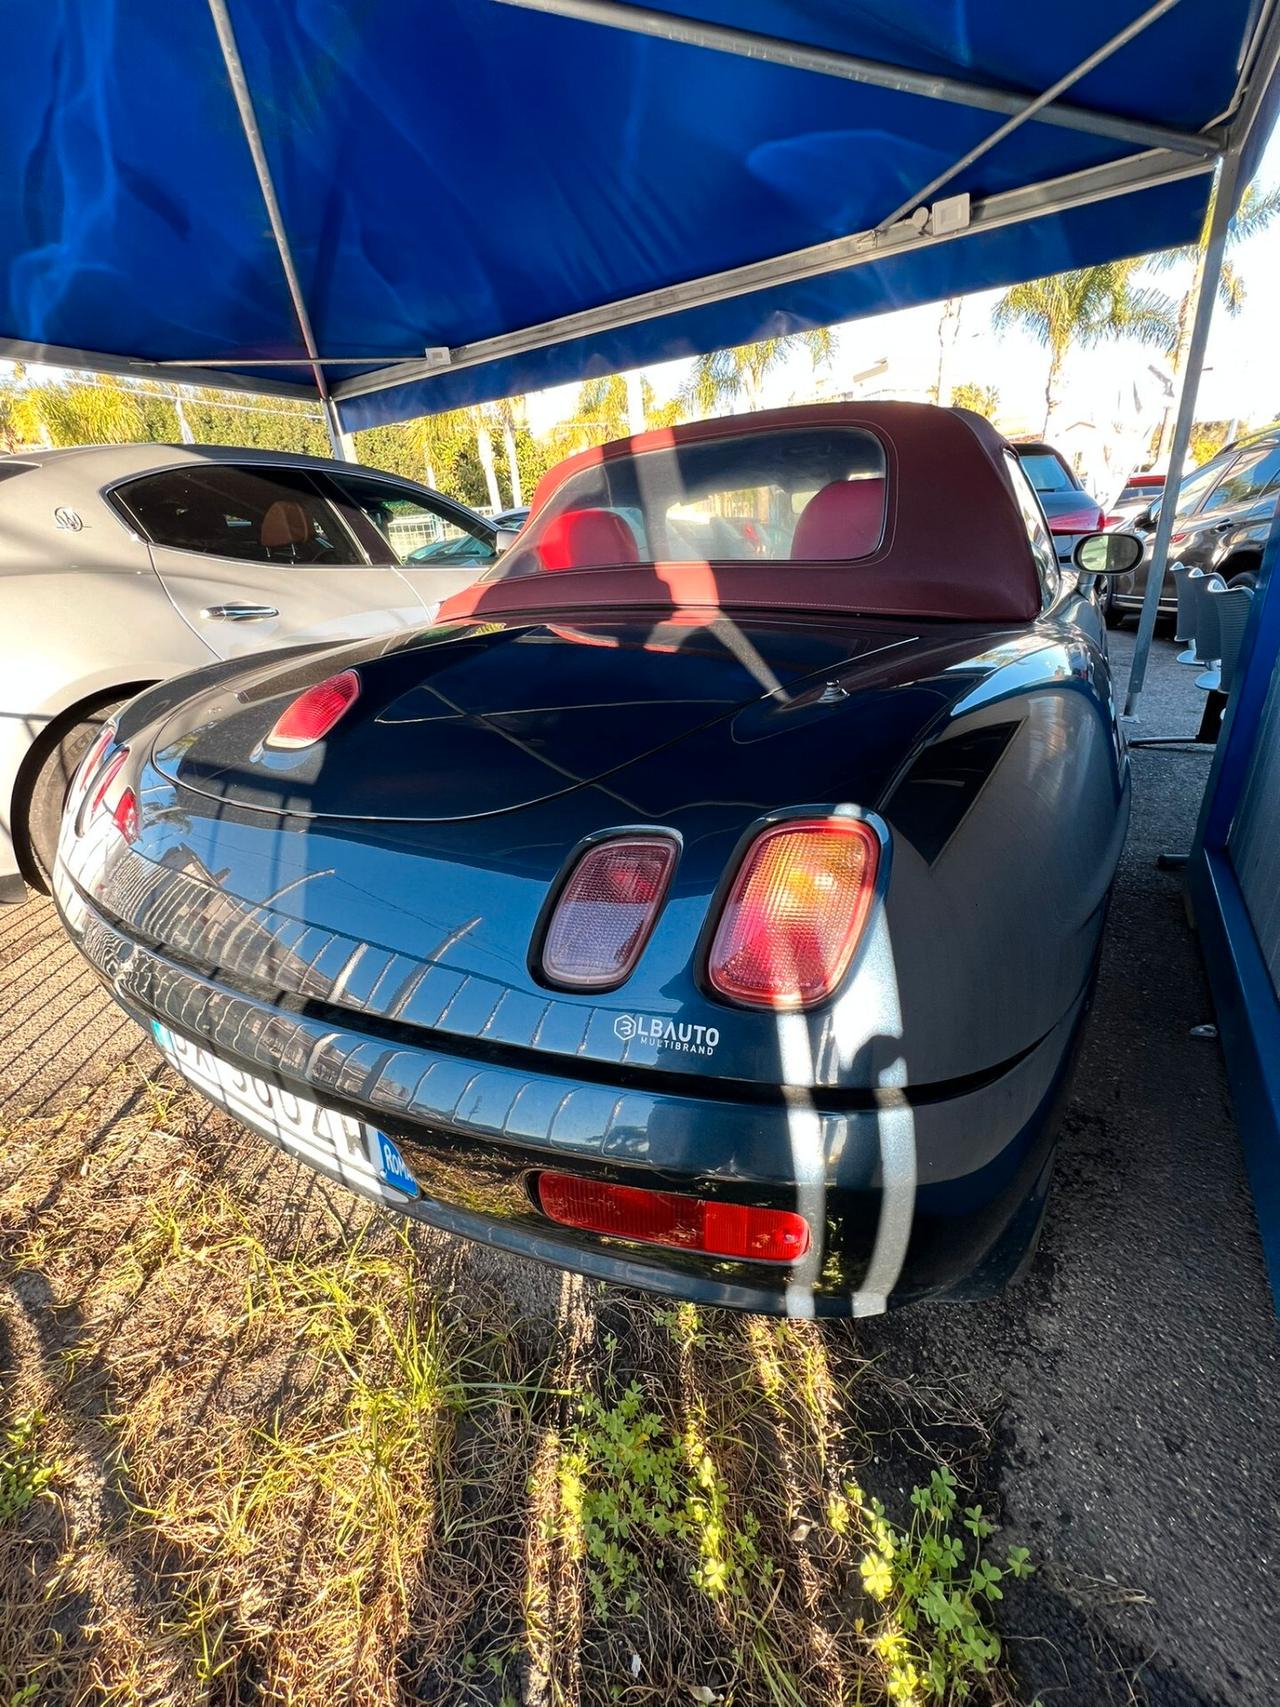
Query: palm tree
[
  {"x": 1254, "y": 214},
  {"x": 982, "y": 399},
  {"x": 484, "y": 449},
  {"x": 722, "y": 376},
  {"x": 609, "y": 408},
  {"x": 20, "y": 420},
  {"x": 91, "y": 412},
  {"x": 948, "y": 332},
  {"x": 1086, "y": 306},
  {"x": 504, "y": 415}
]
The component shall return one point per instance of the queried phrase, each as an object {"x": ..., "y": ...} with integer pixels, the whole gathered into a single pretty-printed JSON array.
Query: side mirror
[
  {"x": 1108, "y": 553},
  {"x": 504, "y": 539}
]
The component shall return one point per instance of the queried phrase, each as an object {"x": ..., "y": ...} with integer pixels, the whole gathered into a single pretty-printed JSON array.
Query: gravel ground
[{"x": 1135, "y": 1370}]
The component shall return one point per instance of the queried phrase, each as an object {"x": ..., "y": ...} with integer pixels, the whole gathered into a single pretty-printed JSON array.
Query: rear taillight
[
  {"x": 1077, "y": 521},
  {"x": 124, "y": 815},
  {"x": 99, "y": 787},
  {"x": 1110, "y": 522},
  {"x": 313, "y": 714},
  {"x": 105, "y": 793},
  {"x": 671, "y": 1218},
  {"x": 606, "y": 911},
  {"x": 795, "y": 912},
  {"x": 92, "y": 759}
]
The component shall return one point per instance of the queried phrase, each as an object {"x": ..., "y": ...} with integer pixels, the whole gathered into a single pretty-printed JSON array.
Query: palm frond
[
  {"x": 1231, "y": 291},
  {"x": 1255, "y": 213}
]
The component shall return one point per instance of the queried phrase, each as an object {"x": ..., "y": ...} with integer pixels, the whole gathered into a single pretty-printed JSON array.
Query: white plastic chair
[
  {"x": 1208, "y": 637},
  {"x": 1232, "y": 605},
  {"x": 1184, "y": 580}
]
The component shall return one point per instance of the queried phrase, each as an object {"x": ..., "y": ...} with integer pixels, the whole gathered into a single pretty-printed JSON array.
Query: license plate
[{"x": 323, "y": 1137}]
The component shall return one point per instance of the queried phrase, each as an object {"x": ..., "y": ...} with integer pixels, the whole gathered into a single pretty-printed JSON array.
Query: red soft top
[{"x": 954, "y": 543}]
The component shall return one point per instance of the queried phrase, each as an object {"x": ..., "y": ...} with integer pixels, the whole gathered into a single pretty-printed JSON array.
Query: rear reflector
[
  {"x": 795, "y": 912},
  {"x": 314, "y": 713},
  {"x": 1077, "y": 521},
  {"x": 670, "y": 1218},
  {"x": 606, "y": 911}
]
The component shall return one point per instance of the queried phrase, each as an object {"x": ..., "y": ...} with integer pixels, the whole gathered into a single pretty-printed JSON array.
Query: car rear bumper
[{"x": 895, "y": 1212}]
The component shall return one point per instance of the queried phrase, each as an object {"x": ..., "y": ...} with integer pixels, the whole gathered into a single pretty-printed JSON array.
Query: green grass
[
  {"x": 321, "y": 1455},
  {"x": 24, "y": 1474}
]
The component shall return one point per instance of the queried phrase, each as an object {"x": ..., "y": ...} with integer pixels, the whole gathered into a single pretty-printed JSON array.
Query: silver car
[{"x": 123, "y": 565}]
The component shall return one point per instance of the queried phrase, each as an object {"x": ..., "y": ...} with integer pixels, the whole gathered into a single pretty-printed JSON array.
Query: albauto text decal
[{"x": 667, "y": 1033}]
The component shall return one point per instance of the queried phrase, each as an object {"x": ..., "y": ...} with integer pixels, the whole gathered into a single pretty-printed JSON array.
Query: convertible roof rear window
[{"x": 815, "y": 494}]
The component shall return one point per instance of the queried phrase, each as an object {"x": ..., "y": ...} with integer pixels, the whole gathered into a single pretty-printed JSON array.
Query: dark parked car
[
  {"x": 1072, "y": 513},
  {"x": 1223, "y": 517},
  {"x": 701, "y": 926},
  {"x": 511, "y": 520}
]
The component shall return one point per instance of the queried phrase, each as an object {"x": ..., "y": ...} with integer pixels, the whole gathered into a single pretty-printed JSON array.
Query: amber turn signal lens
[{"x": 795, "y": 912}]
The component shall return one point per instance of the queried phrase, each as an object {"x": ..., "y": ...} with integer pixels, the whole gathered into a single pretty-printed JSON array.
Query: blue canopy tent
[
  {"x": 404, "y": 208},
  {"x": 397, "y": 208}
]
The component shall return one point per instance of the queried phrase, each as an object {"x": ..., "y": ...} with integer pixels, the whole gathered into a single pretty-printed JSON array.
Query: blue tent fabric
[{"x": 454, "y": 172}]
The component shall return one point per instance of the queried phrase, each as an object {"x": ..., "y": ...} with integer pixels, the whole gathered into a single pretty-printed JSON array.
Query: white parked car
[{"x": 122, "y": 565}]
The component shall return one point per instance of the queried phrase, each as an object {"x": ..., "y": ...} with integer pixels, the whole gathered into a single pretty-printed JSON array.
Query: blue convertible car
[{"x": 710, "y": 901}]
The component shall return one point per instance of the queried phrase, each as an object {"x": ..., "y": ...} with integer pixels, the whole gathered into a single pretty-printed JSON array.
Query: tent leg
[
  {"x": 1224, "y": 196},
  {"x": 341, "y": 442}
]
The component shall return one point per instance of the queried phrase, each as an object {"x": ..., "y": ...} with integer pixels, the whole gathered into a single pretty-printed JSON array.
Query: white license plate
[{"x": 357, "y": 1151}]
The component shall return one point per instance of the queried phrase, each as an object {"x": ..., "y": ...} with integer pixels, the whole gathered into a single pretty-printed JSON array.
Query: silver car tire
[{"x": 49, "y": 785}]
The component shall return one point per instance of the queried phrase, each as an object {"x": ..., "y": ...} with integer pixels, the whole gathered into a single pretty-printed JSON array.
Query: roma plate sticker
[{"x": 393, "y": 1167}]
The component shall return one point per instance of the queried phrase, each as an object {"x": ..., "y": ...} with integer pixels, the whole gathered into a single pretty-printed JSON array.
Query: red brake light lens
[
  {"x": 125, "y": 815},
  {"x": 606, "y": 911},
  {"x": 795, "y": 912},
  {"x": 1077, "y": 521},
  {"x": 99, "y": 790},
  {"x": 672, "y": 1218},
  {"x": 109, "y": 775},
  {"x": 94, "y": 757},
  {"x": 313, "y": 714}
]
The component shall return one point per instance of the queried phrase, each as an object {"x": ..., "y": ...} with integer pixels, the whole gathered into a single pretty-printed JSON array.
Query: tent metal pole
[
  {"x": 800, "y": 56},
  {"x": 1224, "y": 197},
  {"x": 136, "y": 367},
  {"x": 253, "y": 137},
  {"x": 341, "y": 441}
]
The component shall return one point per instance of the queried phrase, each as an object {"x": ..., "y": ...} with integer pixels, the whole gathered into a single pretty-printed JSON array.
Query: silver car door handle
[{"x": 240, "y": 613}]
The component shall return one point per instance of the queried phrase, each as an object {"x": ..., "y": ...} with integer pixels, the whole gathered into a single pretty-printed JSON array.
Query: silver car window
[
  {"x": 416, "y": 531},
  {"x": 256, "y": 515},
  {"x": 1042, "y": 547}
]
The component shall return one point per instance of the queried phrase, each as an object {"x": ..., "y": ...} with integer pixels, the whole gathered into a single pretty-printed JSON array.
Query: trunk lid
[{"x": 480, "y": 719}]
